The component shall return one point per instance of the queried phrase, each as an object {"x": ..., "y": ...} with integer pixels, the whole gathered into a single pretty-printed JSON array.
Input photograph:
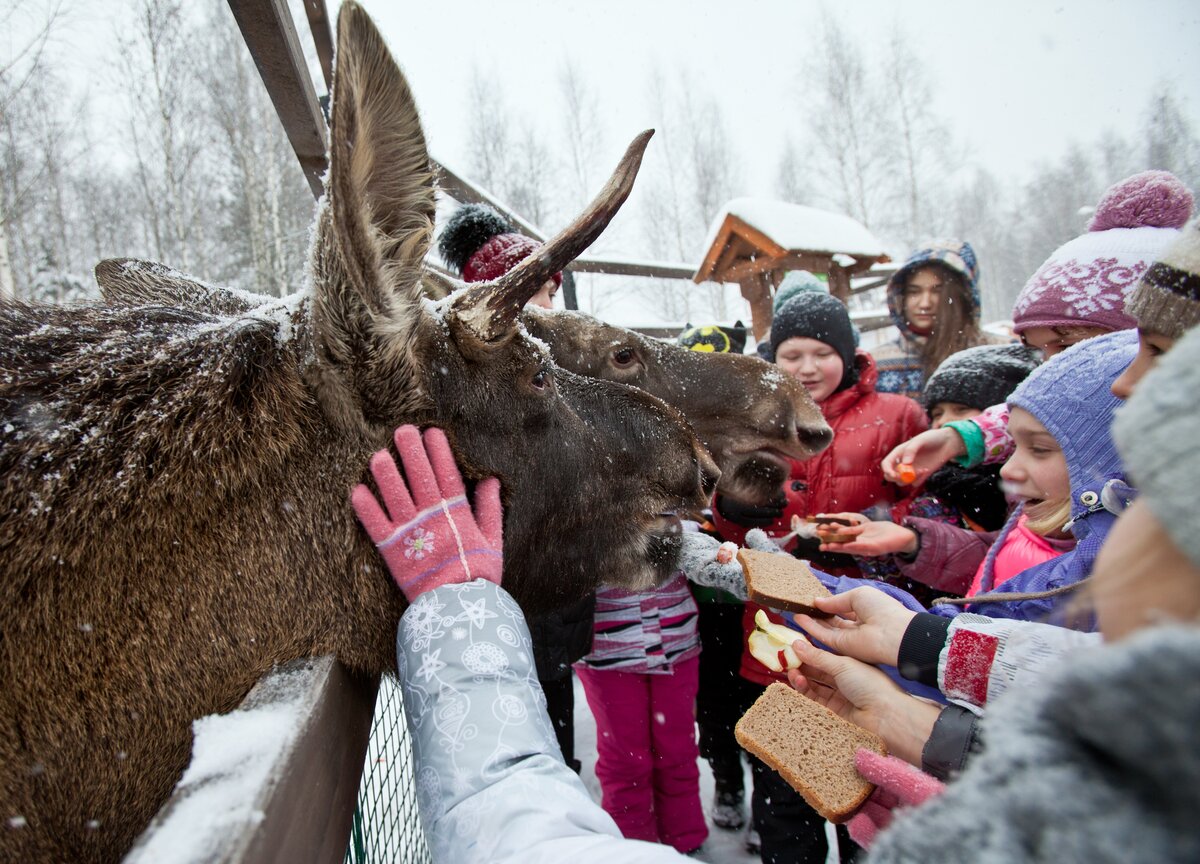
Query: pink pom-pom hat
[{"x": 1086, "y": 281}]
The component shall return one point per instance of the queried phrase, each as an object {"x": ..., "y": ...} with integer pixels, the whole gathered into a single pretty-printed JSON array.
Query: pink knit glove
[
  {"x": 898, "y": 784},
  {"x": 431, "y": 538}
]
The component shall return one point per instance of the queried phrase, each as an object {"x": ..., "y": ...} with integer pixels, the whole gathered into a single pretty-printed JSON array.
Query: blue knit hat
[
  {"x": 955, "y": 255},
  {"x": 1070, "y": 395}
]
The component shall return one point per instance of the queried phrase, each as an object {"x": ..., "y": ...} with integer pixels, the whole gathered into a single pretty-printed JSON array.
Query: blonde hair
[{"x": 1048, "y": 517}]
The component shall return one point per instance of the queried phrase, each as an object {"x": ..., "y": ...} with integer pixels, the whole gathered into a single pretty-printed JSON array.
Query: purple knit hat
[{"x": 1086, "y": 281}]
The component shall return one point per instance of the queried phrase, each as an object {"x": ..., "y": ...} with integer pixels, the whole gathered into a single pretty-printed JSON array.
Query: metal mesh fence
[{"x": 387, "y": 828}]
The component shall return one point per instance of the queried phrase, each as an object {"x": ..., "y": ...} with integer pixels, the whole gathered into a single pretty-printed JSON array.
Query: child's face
[
  {"x": 545, "y": 295},
  {"x": 1141, "y": 577},
  {"x": 1037, "y": 470},
  {"x": 814, "y": 364},
  {"x": 922, "y": 296},
  {"x": 1151, "y": 346},
  {"x": 948, "y": 412},
  {"x": 1055, "y": 340}
]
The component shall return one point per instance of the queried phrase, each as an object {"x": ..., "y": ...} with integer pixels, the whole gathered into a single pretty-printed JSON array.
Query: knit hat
[
  {"x": 955, "y": 255},
  {"x": 480, "y": 244},
  {"x": 821, "y": 317},
  {"x": 714, "y": 338},
  {"x": 1085, "y": 282},
  {"x": 1156, "y": 432},
  {"x": 1070, "y": 394},
  {"x": 979, "y": 377},
  {"x": 795, "y": 282},
  {"x": 1167, "y": 299}
]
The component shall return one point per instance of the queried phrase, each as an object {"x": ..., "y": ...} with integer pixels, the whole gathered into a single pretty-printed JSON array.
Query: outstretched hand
[
  {"x": 897, "y": 784},
  {"x": 865, "y": 624},
  {"x": 425, "y": 528},
  {"x": 874, "y": 538},
  {"x": 925, "y": 452}
]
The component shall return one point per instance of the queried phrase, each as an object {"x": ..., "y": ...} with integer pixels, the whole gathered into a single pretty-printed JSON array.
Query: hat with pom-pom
[
  {"x": 1167, "y": 300},
  {"x": 1086, "y": 281},
  {"x": 480, "y": 244}
]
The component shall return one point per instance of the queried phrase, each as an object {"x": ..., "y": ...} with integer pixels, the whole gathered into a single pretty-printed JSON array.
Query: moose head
[{"x": 174, "y": 513}]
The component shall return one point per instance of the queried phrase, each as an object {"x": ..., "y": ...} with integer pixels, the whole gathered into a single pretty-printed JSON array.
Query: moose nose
[{"x": 815, "y": 437}]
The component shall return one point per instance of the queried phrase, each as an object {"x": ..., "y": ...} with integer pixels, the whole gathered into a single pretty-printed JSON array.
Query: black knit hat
[
  {"x": 821, "y": 317},
  {"x": 979, "y": 377}
]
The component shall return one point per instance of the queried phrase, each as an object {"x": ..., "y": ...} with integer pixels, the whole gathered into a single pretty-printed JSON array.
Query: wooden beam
[
  {"x": 756, "y": 290},
  {"x": 322, "y": 33},
  {"x": 652, "y": 269},
  {"x": 271, "y": 36},
  {"x": 461, "y": 189}
]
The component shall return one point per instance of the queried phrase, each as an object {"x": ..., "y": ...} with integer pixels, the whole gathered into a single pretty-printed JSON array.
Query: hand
[
  {"x": 698, "y": 561},
  {"x": 897, "y": 784},
  {"x": 867, "y": 625},
  {"x": 875, "y": 538},
  {"x": 926, "y": 453},
  {"x": 748, "y": 515},
  {"x": 865, "y": 696},
  {"x": 431, "y": 537}
]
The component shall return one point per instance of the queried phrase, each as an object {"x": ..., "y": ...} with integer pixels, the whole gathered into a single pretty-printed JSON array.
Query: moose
[{"x": 173, "y": 516}]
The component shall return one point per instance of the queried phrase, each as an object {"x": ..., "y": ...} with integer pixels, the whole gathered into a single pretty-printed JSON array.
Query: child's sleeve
[{"x": 985, "y": 437}]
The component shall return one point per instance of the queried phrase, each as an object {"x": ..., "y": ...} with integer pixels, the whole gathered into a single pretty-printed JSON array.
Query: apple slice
[{"x": 771, "y": 644}]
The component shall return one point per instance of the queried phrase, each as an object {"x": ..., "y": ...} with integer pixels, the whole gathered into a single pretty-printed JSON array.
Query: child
[
  {"x": 1067, "y": 473},
  {"x": 933, "y": 300},
  {"x": 812, "y": 340},
  {"x": 641, "y": 679},
  {"x": 479, "y": 244},
  {"x": 1078, "y": 292},
  {"x": 962, "y": 387}
]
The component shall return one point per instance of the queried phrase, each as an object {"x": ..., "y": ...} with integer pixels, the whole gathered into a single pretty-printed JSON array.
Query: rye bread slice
[
  {"x": 811, "y": 748},
  {"x": 780, "y": 581}
]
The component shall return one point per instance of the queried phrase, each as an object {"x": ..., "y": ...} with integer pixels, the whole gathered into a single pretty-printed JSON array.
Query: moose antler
[{"x": 489, "y": 310}]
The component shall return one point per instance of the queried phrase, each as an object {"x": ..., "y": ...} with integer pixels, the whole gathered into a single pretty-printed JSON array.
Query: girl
[
  {"x": 933, "y": 301},
  {"x": 479, "y": 244},
  {"x": 812, "y": 340},
  {"x": 1065, "y": 470},
  {"x": 1078, "y": 292}
]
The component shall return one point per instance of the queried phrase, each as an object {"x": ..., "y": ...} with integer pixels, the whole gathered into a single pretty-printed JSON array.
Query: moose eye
[
  {"x": 624, "y": 356},
  {"x": 540, "y": 379}
]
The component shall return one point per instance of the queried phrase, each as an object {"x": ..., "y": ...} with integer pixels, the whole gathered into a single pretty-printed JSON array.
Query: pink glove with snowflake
[
  {"x": 431, "y": 537},
  {"x": 898, "y": 784}
]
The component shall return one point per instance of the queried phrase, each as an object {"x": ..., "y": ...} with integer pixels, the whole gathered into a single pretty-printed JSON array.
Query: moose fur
[{"x": 173, "y": 513}]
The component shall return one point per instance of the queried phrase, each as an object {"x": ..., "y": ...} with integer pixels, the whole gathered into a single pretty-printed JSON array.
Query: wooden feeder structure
[{"x": 755, "y": 241}]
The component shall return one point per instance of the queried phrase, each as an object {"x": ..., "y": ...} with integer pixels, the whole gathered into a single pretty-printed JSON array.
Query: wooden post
[
  {"x": 839, "y": 282},
  {"x": 756, "y": 289}
]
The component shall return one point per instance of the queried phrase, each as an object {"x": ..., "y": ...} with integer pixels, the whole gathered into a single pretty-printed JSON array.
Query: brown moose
[{"x": 173, "y": 516}]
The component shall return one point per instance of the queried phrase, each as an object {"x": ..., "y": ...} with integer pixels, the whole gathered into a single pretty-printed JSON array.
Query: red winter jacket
[{"x": 845, "y": 477}]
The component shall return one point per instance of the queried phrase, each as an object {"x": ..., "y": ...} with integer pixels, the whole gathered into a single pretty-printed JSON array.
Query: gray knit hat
[
  {"x": 1155, "y": 432},
  {"x": 1167, "y": 299},
  {"x": 979, "y": 377}
]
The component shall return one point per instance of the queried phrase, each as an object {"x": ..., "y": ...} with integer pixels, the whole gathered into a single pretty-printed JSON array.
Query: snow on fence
[{"x": 315, "y": 765}]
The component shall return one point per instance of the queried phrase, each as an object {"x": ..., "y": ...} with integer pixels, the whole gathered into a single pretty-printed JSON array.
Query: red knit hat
[
  {"x": 479, "y": 243},
  {"x": 499, "y": 255}
]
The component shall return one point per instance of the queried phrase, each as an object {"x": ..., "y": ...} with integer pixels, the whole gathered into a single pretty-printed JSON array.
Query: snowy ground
[{"x": 721, "y": 847}]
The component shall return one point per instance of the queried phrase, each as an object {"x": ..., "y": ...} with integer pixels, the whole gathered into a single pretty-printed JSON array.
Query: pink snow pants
[{"x": 647, "y": 761}]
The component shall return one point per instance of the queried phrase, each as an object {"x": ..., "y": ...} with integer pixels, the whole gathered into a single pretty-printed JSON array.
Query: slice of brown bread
[
  {"x": 811, "y": 748},
  {"x": 780, "y": 581}
]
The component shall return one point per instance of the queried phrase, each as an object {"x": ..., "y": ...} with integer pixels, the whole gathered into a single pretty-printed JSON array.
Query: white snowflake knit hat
[
  {"x": 1086, "y": 281},
  {"x": 1167, "y": 300},
  {"x": 1155, "y": 433}
]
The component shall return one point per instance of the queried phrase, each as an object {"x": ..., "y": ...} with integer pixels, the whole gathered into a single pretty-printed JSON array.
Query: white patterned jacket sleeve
[
  {"x": 491, "y": 783},
  {"x": 983, "y": 657}
]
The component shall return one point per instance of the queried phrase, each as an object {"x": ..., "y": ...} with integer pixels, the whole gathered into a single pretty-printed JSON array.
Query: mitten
[
  {"x": 425, "y": 529},
  {"x": 897, "y": 784},
  {"x": 748, "y": 515},
  {"x": 698, "y": 561}
]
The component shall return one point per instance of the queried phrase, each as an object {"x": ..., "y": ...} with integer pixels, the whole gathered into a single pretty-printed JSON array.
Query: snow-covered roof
[{"x": 796, "y": 226}]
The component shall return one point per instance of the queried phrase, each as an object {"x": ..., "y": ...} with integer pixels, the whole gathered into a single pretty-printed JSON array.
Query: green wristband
[{"x": 972, "y": 438}]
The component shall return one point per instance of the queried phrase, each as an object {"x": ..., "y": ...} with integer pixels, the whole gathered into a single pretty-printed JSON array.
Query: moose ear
[
  {"x": 131, "y": 282},
  {"x": 380, "y": 187}
]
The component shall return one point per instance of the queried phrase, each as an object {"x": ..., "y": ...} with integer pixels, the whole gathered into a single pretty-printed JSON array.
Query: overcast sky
[{"x": 1017, "y": 80}]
